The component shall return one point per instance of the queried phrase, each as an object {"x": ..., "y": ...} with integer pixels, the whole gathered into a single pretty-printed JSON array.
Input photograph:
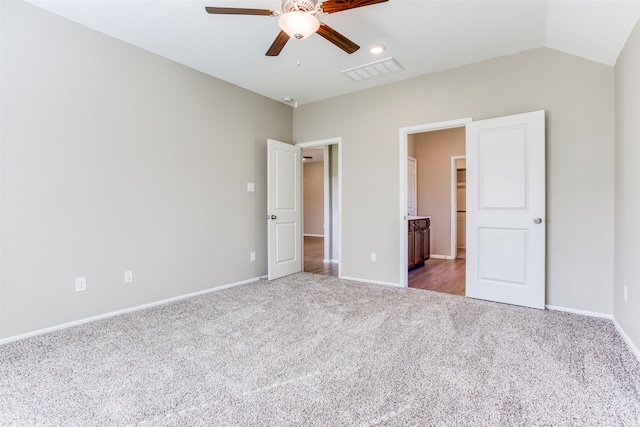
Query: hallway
[{"x": 314, "y": 257}]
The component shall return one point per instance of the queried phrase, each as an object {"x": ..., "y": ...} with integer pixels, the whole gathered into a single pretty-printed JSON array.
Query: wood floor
[
  {"x": 314, "y": 257},
  {"x": 440, "y": 275}
]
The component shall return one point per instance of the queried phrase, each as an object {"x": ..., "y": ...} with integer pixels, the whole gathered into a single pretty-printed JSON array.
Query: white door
[
  {"x": 284, "y": 209},
  {"x": 412, "y": 186},
  {"x": 506, "y": 209}
]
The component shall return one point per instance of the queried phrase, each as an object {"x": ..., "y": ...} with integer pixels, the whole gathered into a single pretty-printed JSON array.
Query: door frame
[
  {"x": 454, "y": 205},
  {"x": 328, "y": 230},
  {"x": 415, "y": 184},
  {"x": 404, "y": 133}
]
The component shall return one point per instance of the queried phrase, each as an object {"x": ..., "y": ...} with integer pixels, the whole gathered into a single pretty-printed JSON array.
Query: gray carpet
[{"x": 317, "y": 351}]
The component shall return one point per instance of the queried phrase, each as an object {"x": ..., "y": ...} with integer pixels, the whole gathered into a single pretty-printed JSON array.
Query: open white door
[
  {"x": 506, "y": 209},
  {"x": 284, "y": 209}
]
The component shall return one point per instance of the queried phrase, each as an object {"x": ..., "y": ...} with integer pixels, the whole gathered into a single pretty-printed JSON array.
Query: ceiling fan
[{"x": 298, "y": 20}]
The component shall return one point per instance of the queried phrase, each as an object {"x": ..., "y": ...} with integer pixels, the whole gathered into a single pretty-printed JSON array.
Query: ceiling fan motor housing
[{"x": 299, "y": 5}]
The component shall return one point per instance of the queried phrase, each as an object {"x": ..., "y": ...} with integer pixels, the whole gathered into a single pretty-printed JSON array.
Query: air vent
[{"x": 374, "y": 69}]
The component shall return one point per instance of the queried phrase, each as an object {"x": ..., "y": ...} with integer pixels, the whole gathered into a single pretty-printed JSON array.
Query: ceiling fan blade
[
  {"x": 333, "y": 6},
  {"x": 338, "y": 39},
  {"x": 239, "y": 11},
  {"x": 278, "y": 44}
]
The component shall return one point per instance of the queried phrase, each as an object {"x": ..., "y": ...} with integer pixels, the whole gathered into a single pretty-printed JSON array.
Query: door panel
[
  {"x": 506, "y": 209},
  {"x": 284, "y": 205},
  {"x": 285, "y": 234},
  {"x": 285, "y": 197},
  {"x": 494, "y": 246},
  {"x": 503, "y": 168},
  {"x": 411, "y": 241}
]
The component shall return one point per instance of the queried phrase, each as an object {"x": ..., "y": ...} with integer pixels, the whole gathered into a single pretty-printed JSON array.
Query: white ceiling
[{"x": 425, "y": 36}]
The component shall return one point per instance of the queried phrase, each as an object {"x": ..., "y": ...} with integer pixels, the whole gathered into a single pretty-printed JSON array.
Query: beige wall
[
  {"x": 577, "y": 95},
  {"x": 314, "y": 198},
  {"x": 627, "y": 196},
  {"x": 434, "y": 151},
  {"x": 115, "y": 159}
]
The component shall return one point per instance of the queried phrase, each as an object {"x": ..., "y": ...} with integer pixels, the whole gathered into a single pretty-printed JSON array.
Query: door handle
[
  {"x": 274, "y": 217},
  {"x": 537, "y": 220}
]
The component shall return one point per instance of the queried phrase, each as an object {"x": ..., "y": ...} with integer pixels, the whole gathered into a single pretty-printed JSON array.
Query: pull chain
[{"x": 295, "y": 102}]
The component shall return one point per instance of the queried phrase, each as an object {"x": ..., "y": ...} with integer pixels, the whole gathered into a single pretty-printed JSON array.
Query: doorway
[
  {"x": 405, "y": 135},
  {"x": 439, "y": 155},
  {"x": 321, "y": 207}
]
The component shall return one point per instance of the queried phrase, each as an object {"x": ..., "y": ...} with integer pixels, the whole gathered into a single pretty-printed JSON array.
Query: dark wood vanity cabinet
[{"x": 418, "y": 242}]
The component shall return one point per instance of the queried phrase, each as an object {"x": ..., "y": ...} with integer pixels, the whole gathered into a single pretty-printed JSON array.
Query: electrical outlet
[
  {"x": 374, "y": 257},
  {"x": 252, "y": 256},
  {"x": 81, "y": 284},
  {"x": 128, "y": 276},
  {"x": 251, "y": 187},
  {"x": 626, "y": 293}
]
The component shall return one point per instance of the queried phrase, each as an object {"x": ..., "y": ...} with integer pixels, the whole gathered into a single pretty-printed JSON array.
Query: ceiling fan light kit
[{"x": 298, "y": 25}]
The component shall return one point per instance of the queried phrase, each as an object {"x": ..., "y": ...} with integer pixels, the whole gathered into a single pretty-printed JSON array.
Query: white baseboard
[
  {"x": 626, "y": 339},
  {"x": 124, "y": 311},
  {"x": 313, "y": 235},
  {"x": 621, "y": 331},
  {"x": 330, "y": 261},
  {"x": 581, "y": 312},
  {"x": 374, "y": 282},
  {"x": 436, "y": 256}
]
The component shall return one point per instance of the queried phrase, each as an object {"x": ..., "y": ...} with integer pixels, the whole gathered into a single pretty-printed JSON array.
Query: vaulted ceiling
[{"x": 424, "y": 36}]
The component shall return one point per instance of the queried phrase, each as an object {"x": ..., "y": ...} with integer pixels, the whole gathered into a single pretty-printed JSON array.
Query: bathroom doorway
[{"x": 441, "y": 196}]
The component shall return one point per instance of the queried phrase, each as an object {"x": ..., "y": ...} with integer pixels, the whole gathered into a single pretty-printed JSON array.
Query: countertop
[{"x": 412, "y": 218}]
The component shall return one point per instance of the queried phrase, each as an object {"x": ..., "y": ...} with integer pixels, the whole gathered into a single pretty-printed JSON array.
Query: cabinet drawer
[{"x": 421, "y": 224}]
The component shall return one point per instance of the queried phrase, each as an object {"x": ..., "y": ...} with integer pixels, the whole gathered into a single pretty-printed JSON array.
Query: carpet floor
[{"x": 318, "y": 351}]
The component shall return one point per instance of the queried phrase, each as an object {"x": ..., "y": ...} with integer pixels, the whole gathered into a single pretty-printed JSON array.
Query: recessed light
[{"x": 377, "y": 49}]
